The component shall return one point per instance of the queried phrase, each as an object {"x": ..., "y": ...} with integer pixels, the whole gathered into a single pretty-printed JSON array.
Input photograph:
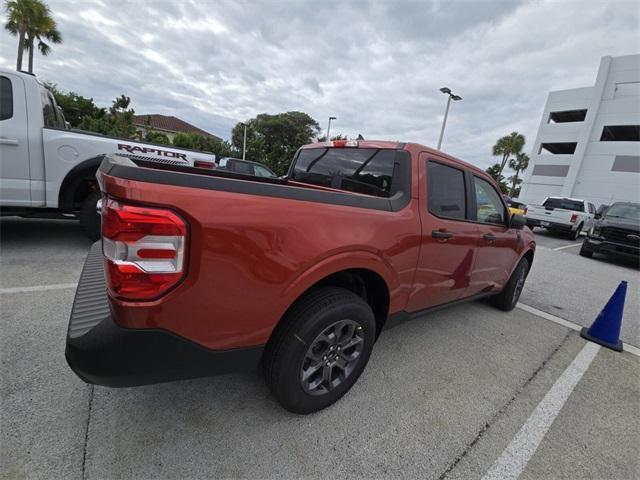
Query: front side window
[
  {"x": 446, "y": 195},
  {"x": 489, "y": 208},
  {"x": 6, "y": 99},
  {"x": 359, "y": 170}
]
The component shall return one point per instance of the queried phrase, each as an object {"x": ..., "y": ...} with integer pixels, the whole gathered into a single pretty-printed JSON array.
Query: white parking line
[
  {"x": 515, "y": 457},
  {"x": 548, "y": 316},
  {"x": 573, "y": 326},
  {"x": 566, "y": 246},
  {"x": 38, "y": 288}
]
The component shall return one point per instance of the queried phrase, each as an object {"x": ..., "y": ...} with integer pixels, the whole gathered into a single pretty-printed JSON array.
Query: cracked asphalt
[{"x": 442, "y": 396}]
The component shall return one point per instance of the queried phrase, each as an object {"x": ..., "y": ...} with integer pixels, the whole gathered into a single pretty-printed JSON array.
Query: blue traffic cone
[{"x": 605, "y": 330}]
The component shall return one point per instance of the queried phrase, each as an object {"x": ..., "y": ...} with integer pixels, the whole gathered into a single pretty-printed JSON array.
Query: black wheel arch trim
[{"x": 73, "y": 179}]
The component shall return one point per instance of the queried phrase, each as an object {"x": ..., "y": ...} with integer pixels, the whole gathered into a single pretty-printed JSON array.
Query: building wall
[
  {"x": 142, "y": 131},
  {"x": 589, "y": 172}
]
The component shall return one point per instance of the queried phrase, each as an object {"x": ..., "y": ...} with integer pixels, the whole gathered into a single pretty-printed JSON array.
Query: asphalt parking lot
[{"x": 465, "y": 392}]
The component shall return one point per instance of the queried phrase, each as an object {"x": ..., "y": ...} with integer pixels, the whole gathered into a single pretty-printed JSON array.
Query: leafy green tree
[
  {"x": 42, "y": 27},
  {"x": 118, "y": 122},
  {"x": 274, "y": 139},
  {"x": 494, "y": 171},
  {"x": 75, "y": 107},
  {"x": 507, "y": 146},
  {"x": 340, "y": 136},
  {"x": 204, "y": 144},
  {"x": 518, "y": 164},
  {"x": 157, "y": 137},
  {"x": 21, "y": 15}
]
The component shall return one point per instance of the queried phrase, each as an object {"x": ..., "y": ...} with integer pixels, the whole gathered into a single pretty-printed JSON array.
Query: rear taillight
[
  {"x": 574, "y": 217},
  {"x": 203, "y": 164},
  {"x": 144, "y": 250}
]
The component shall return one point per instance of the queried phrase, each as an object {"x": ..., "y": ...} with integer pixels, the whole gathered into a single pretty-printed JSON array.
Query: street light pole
[
  {"x": 451, "y": 96},
  {"x": 329, "y": 128},
  {"x": 244, "y": 142}
]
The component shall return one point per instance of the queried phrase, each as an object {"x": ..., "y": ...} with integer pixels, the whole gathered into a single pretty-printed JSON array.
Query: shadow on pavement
[{"x": 22, "y": 233}]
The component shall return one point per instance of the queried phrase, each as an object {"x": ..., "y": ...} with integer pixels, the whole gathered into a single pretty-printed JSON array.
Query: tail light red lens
[
  {"x": 574, "y": 217},
  {"x": 144, "y": 249}
]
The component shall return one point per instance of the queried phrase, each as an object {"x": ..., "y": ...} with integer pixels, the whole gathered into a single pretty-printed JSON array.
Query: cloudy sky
[{"x": 376, "y": 66}]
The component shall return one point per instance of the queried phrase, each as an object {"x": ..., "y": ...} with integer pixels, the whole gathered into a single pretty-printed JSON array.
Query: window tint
[
  {"x": 242, "y": 167},
  {"x": 592, "y": 208},
  {"x": 446, "y": 191},
  {"x": 6, "y": 99},
  {"x": 360, "y": 170},
  {"x": 489, "y": 208},
  {"x": 564, "y": 203}
]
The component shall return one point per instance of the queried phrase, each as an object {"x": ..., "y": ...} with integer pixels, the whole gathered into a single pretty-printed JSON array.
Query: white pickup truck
[
  {"x": 567, "y": 215},
  {"x": 46, "y": 168}
]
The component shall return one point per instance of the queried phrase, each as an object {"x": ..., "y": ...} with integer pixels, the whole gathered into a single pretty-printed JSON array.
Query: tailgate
[{"x": 557, "y": 215}]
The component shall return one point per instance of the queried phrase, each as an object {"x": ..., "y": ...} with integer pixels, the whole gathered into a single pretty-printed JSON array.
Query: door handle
[
  {"x": 489, "y": 237},
  {"x": 8, "y": 141},
  {"x": 441, "y": 234}
]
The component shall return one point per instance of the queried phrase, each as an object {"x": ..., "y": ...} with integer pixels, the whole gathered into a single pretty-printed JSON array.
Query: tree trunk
[
  {"x": 20, "y": 50},
  {"x": 31, "y": 55},
  {"x": 505, "y": 157},
  {"x": 514, "y": 182}
]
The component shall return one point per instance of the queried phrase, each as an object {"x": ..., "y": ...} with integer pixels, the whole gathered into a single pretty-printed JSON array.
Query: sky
[{"x": 376, "y": 66}]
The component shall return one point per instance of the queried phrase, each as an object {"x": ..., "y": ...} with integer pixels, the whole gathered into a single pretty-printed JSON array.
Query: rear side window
[
  {"x": 359, "y": 170},
  {"x": 6, "y": 99},
  {"x": 564, "y": 204},
  {"x": 446, "y": 191},
  {"x": 242, "y": 167},
  {"x": 489, "y": 208}
]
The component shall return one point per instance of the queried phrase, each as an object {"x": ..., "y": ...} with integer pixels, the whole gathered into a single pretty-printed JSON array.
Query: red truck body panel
[{"x": 249, "y": 256}]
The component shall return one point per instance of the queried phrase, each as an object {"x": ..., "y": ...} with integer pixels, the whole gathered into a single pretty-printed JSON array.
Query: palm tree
[
  {"x": 20, "y": 15},
  {"x": 43, "y": 27},
  {"x": 518, "y": 164},
  {"x": 508, "y": 145}
]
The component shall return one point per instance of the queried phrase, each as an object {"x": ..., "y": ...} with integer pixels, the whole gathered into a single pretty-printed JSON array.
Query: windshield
[
  {"x": 629, "y": 211},
  {"x": 564, "y": 204},
  {"x": 360, "y": 170}
]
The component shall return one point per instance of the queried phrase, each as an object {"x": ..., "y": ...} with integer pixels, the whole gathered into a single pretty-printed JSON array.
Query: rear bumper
[
  {"x": 101, "y": 352},
  {"x": 561, "y": 227},
  {"x": 598, "y": 245}
]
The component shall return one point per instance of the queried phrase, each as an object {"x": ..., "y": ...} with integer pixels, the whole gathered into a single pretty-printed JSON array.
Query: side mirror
[{"x": 518, "y": 222}]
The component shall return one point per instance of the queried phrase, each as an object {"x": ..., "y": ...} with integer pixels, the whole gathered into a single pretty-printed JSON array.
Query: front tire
[
  {"x": 508, "y": 298},
  {"x": 89, "y": 217},
  {"x": 584, "y": 250},
  {"x": 320, "y": 349}
]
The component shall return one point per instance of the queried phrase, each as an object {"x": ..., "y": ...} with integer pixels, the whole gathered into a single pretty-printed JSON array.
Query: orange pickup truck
[{"x": 201, "y": 272}]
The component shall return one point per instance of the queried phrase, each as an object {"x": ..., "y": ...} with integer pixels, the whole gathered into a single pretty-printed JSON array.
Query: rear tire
[
  {"x": 89, "y": 217},
  {"x": 508, "y": 298},
  {"x": 584, "y": 251},
  {"x": 304, "y": 368},
  {"x": 576, "y": 233}
]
